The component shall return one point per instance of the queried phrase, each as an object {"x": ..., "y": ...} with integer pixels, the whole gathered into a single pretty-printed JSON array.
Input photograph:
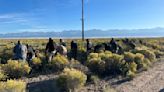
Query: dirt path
[{"x": 147, "y": 81}]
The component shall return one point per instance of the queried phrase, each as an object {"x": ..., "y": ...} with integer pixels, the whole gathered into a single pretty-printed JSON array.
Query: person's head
[
  {"x": 87, "y": 40},
  {"x": 27, "y": 45},
  {"x": 112, "y": 39},
  {"x": 72, "y": 41},
  {"x": 61, "y": 40},
  {"x": 127, "y": 40},
  {"x": 50, "y": 39},
  {"x": 19, "y": 42}
]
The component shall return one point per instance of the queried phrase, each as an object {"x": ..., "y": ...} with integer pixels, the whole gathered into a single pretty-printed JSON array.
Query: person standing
[
  {"x": 30, "y": 52},
  {"x": 89, "y": 46},
  {"x": 20, "y": 52},
  {"x": 62, "y": 42},
  {"x": 23, "y": 52},
  {"x": 50, "y": 50},
  {"x": 73, "y": 49},
  {"x": 17, "y": 51},
  {"x": 113, "y": 45}
]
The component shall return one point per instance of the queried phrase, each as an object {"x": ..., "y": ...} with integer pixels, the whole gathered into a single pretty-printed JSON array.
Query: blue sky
[{"x": 59, "y": 15}]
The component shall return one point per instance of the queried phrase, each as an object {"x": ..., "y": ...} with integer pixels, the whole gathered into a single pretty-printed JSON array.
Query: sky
[{"x": 59, "y": 15}]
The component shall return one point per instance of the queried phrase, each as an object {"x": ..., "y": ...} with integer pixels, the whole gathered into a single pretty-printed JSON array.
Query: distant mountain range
[{"x": 154, "y": 32}]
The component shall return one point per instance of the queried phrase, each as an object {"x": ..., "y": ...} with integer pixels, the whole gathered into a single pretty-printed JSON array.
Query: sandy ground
[{"x": 151, "y": 80}]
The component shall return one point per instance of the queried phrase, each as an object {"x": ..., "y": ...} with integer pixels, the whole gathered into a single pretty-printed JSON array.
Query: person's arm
[
  {"x": 14, "y": 50},
  {"x": 46, "y": 50},
  {"x": 26, "y": 50}
]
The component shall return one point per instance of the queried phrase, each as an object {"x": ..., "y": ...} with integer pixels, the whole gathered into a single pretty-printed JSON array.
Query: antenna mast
[{"x": 82, "y": 20}]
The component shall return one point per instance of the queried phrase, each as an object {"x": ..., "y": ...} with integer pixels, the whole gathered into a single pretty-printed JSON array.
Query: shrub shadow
[
  {"x": 43, "y": 86},
  {"x": 162, "y": 90}
]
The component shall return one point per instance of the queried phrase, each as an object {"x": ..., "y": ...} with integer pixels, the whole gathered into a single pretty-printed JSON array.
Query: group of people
[
  {"x": 23, "y": 52},
  {"x": 27, "y": 52}
]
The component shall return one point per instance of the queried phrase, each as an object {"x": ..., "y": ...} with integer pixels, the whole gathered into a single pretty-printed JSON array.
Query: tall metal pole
[{"x": 82, "y": 20}]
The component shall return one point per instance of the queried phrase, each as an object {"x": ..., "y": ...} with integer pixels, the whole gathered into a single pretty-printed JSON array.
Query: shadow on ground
[
  {"x": 43, "y": 86},
  {"x": 162, "y": 90}
]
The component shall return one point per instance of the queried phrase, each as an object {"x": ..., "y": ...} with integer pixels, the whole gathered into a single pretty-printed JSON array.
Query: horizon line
[{"x": 84, "y": 30}]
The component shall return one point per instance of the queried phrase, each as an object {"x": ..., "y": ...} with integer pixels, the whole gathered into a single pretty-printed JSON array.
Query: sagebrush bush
[
  {"x": 114, "y": 63},
  {"x": 59, "y": 62},
  {"x": 6, "y": 55},
  {"x": 36, "y": 61},
  {"x": 147, "y": 62},
  {"x": 108, "y": 52},
  {"x": 96, "y": 65},
  {"x": 138, "y": 57},
  {"x": 103, "y": 63},
  {"x": 117, "y": 58},
  {"x": 93, "y": 55},
  {"x": 129, "y": 57},
  {"x": 3, "y": 76},
  {"x": 130, "y": 74},
  {"x": 77, "y": 65},
  {"x": 13, "y": 86},
  {"x": 129, "y": 69},
  {"x": 102, "y": 55},
  {"x": 158, "y": 53},
  {"x": 94, "y": 79},
  {"x": 16, "y": 69},
  {"x": 133, "y": 67},
  {"x": 106, "y": 55},
  {"x": 71, "y": 79},
  {"x": 148, "y": 54}
]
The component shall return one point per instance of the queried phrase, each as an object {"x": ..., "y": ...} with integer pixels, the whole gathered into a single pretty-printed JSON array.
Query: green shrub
[
  {"x": 93, "y": 55},
  {"x": 94, "y": 79},
  {"x": 96, "y": 65},
  {"x": 139, "y": 60},
  {"x": 148, "y": 54},
  {"x": 130, "y": 74},
  {"x": 108, "y": 52},
  {"x": 147, "y": 61},
  {"x": 133, "y": 67},
  {"x": 36, "y": 61},
  {"x": 59, "y": 62},
  {"x": 139, "y": 57},
  {"x": 129, "y": 69},
  {"x": 13, "y": 86},
  {"x": 158, "y": 53},
  {"x": 114, "y": 63},
  {"x": 102, "y": 55},
  {"x": 16, "y": 69},
  {"x": 105, "y": 55},
  {"x": 142, "y": 62},
  {"x": 71, "y": 79},
  {"x": 104, "y": 63},
  {"x": 117, "y": 58},
  {"x": 77, "y": 65},
  {"x": 3, "y": 76},
  {"x": 143, "y": 65},
  {"x": 129, "y": 57}
]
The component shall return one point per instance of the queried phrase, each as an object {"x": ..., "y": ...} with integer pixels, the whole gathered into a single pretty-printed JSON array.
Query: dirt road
[{"x": 147, "y": 81}]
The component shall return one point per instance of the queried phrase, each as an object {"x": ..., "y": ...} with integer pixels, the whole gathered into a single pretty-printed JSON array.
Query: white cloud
[
  {"x": 37, "y": 30},
  {"x": 13, "y": 18},
  {"x": 5, "y": 16}
]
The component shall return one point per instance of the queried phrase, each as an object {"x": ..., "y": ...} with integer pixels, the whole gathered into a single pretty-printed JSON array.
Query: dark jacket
[
  {"x": 73, "y": 45},
  {"x": 50, "y": 47}
]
